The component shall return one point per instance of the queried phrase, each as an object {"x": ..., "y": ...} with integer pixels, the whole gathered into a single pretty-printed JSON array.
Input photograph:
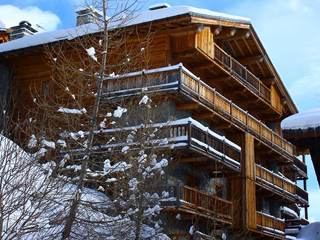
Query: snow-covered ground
[
  {"x": 35, "y": 205},
  {"x": 310, "y": 232}
]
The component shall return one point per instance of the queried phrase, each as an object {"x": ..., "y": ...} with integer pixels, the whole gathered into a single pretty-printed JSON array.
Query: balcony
[
  {"x": 302, "y": 195},
  {"x": 241, "y": 73},
  {"x": 178, "y": 79},
  {"x": 191, "y": 200},
  {"x": 300, "y": 167},
  {"x": 270, "y": 225},
  {"x": 209, "y": 61},
  {"x": 280, "y": 185},
  {"x": 185, "y": 134}
]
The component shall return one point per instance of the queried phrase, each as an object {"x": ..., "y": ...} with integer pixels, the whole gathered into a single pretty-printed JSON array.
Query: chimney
[
  {"x": 4, "y": 35},
  {"x": 159, "y": 6},
  {"x": 87, "y": 15},
  {"x": 23, "y": 29}
]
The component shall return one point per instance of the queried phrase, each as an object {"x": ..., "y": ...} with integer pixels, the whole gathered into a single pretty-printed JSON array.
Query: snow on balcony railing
[
  {"x": 172, "y": 134},
  {"x": 290, "y": 212},
  {"x": 270, "y": 224},
  {"x": 178, "y": 78},
  {"x": 280, "y": 183}
]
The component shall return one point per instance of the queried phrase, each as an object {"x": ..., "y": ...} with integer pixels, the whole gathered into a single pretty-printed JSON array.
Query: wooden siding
[
  {"x": 182, "y": 43},
  {"x": 204, "y": 41},
  {"x": 29, "y": 74},
  {"x": 276, "y": 99},
  {"x": 236, "y": 189},
  {"x": 4, "y": 37}
]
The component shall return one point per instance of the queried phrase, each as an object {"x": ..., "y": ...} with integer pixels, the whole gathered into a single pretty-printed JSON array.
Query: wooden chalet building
[{"x": 228, "y": 101}]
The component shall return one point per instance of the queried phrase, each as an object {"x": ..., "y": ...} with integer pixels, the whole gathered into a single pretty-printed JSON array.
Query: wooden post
[
  {"x": 180, "y": 77},
  {"x": 248, "y": 172},
  {"x": 189, "y": 133},
  {"x": 214, "y": 98},
  {"x": 306, "y": 215}
]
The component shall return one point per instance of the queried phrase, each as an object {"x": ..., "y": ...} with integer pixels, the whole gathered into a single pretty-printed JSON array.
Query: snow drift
[{"x": 310, "y": 232}]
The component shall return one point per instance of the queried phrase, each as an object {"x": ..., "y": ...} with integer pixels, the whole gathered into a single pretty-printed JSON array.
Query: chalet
[{"x": 228, "y": 101}]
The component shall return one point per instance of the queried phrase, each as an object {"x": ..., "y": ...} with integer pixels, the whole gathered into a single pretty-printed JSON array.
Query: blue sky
[{"x": 288, "y": 29}]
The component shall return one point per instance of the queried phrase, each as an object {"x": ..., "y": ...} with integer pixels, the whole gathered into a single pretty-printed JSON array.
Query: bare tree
[
  {"x": 74, "y": 127},
  {"x": 27, "y": 191}
]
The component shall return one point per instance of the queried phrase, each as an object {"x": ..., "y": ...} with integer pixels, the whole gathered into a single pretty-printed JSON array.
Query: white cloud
[{"x": 12, "y": 15}]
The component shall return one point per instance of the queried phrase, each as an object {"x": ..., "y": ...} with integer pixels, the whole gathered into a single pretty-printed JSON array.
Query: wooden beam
[
  {"x": 248, "y": 60},
  {"x": 234, "y": 35},
  {"x": 223, "y": 126},
  {"x": 183, "y": 31},
  {"x": 220, "y": 22},
  {"x": 237, "y": 45},
  {"x": 216, "y": 31},
  {"x": 193, "y": 159},
  {"x": 269, "y": 80},
  {"x": 187, "y": 106},
  {"x": 227, "y": 34},
  {"x": 221, "y": 78},
  {"x": 247, "y": 45},
  {"x": 203, "y": 116}
]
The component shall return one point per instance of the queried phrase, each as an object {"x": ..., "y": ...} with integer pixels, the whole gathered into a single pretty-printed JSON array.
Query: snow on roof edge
[
  {"x": 143, "y": 17},
  {"x": 304, "y": 120}
]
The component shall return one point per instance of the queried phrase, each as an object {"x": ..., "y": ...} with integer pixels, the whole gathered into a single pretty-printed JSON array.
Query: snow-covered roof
[
  {"x": 142, "y": 17},
  {"x": 304, "y": 120}
]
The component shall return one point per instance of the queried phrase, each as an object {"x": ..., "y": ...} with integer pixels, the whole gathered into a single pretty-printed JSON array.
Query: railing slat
[
  {"x": 275, "y": 179},
  {"x": 242, "y": 73},
  {"x": 265, "y": 220}
]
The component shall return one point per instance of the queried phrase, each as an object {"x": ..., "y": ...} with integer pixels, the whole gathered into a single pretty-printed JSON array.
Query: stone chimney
[
  {"x": 23, "y": 29},
  {"x": 87, "y": 15}
]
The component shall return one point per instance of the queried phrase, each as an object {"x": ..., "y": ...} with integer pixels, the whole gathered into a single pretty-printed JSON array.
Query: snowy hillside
[{"x": 35, "y": 205}]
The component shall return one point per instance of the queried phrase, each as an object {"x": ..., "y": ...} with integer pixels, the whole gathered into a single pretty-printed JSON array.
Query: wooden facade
[{"x": 226, "y": 81}]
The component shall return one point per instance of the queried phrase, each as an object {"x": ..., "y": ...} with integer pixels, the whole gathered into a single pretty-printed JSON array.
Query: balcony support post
[
  {"x": 249, "y": 185},
  {"x": 306, "y": 215}
]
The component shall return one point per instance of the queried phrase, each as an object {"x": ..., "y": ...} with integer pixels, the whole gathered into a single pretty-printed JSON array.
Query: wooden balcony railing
[
  {"x": 275, "y": 180},
  {"x": 177, "y": 78},
  {"x": 206, "y": 203},
  {"x": 213, "y": 144},
  {"x": 272, "y": 224},
  {"x": 241, "y": 73},
  {"x": 300, "y": 166},
  {"x": 303, "y": 196},
  {"x": 182, "y": 133},
  {"x": 281, "y": 184}
]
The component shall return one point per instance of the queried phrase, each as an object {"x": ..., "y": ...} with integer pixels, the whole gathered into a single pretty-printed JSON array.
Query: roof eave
[{"x": 291, "y": 105}]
